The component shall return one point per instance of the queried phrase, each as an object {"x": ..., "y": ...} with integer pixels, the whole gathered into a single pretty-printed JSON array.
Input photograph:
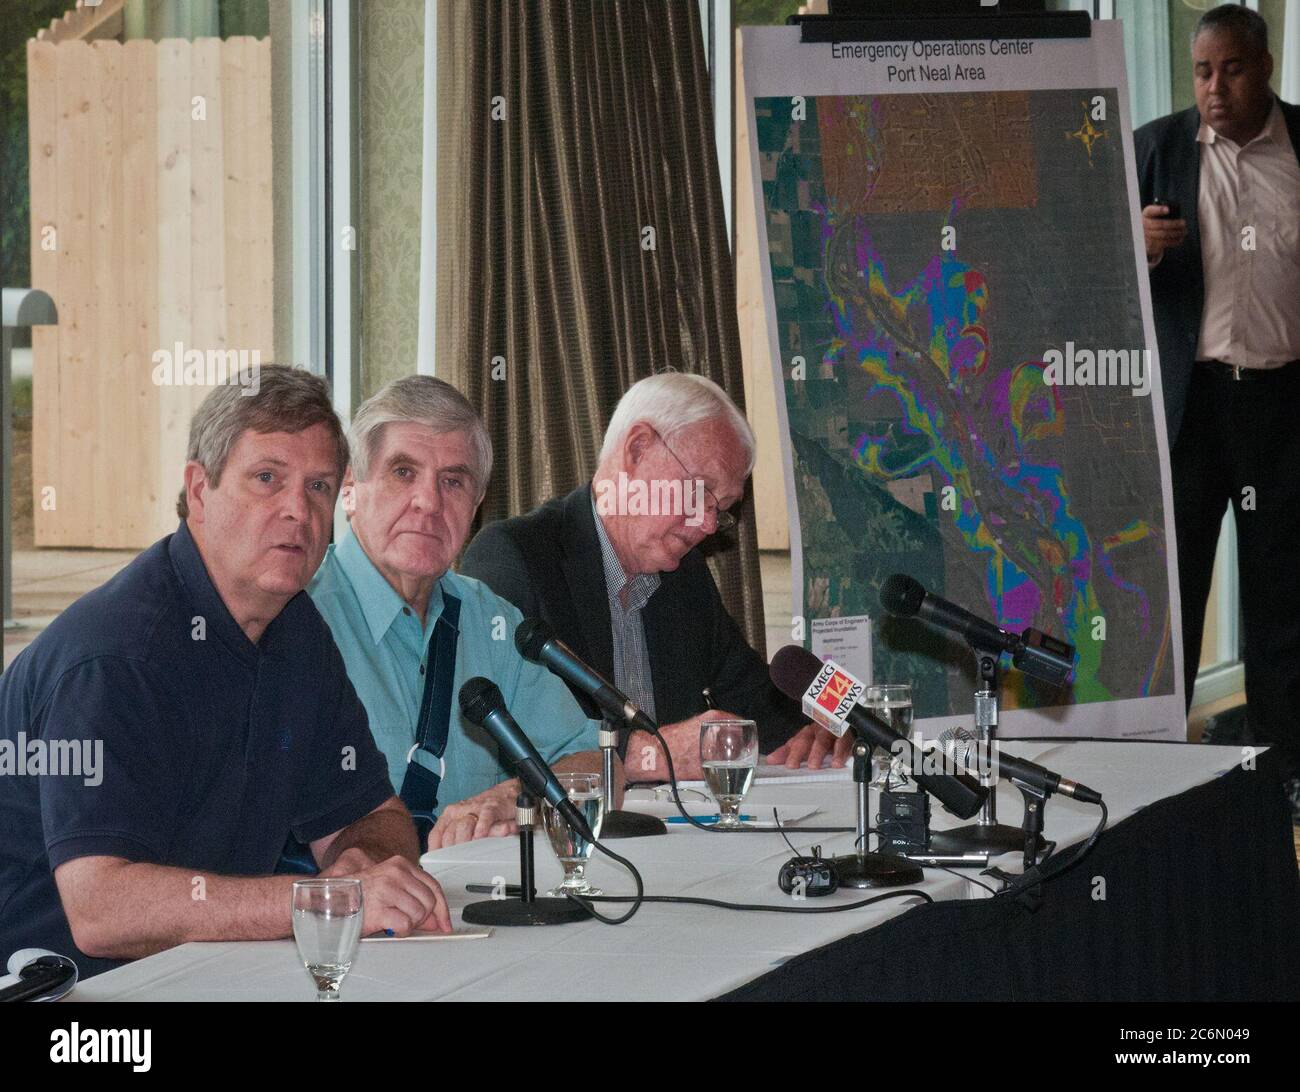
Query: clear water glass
[
  {"x": 892, "y": 703},
  {"x": 587, "y": 793},
  {"x": 729, "y": 755},
  {"x": 327, "y": 916}
]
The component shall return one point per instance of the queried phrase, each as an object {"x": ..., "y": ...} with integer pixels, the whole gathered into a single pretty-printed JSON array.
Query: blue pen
[{"x": 707, "y": 819}]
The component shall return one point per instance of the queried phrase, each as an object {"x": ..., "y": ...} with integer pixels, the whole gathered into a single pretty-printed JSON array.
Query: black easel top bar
[{"x": 923, "y": 28}]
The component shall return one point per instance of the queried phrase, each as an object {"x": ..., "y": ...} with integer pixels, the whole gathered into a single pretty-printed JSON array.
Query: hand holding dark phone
[{"x": 1162, "y": 230}]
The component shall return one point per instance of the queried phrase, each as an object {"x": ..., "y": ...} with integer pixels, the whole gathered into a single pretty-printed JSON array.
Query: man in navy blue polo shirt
[{"x": 210, "y": 714}]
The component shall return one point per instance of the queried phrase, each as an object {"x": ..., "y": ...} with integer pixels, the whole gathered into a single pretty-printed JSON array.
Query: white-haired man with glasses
[{"x": 614, "y": 568}]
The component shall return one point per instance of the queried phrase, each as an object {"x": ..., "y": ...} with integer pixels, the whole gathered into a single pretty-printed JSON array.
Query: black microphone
[
  {"x": 537, "y": 643},
  {"x": 903, "y": 596},
  {"x": 1035, "y": 776},
  {"x": 1044, "y": 780},
  {"x": 795, "y": 670},
  {"x": 1034, "y": 653},
  {"x": 482, "y": 703}
]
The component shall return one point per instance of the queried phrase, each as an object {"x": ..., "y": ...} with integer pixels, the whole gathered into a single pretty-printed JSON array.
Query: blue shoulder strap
[{"x": 420, "y": 785}]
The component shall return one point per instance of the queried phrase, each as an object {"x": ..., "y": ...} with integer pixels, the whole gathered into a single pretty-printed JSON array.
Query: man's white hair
[
  {"x": 421, "y": 400},
  {"x": 672, "y": 401}
]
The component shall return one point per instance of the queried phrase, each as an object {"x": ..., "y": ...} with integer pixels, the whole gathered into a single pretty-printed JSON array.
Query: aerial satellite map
[{"x": 954, "y": 287}]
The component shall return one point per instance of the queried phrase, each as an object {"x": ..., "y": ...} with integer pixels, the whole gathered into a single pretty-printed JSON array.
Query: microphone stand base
[
  {"x": 518, "y": 912},
  {"x": 996, "y": 838},
  {"x": 631, "y": 824},
  {"x": 876, "y": 870}
]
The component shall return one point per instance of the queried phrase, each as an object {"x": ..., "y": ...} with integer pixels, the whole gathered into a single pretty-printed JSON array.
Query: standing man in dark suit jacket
[
  {"x": 613, "y": 568},
  {"x": 1225, "y": 285}
]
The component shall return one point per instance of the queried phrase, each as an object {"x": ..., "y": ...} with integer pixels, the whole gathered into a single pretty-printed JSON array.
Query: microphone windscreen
[
  {"x": 959, "y": 745},
  {"x": 793, "y": 669},
  {"x": 901, "y": 595},
  {"x": 530, "y": 635},
  {"x": 478, "y": 697}
]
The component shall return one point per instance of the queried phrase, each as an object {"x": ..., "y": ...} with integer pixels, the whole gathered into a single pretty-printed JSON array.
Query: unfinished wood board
[
  {"x": 207, "y": 214},
  {"x": 141, "y": 518},
  {"x": 770, "y": 502},
  {"x": 72, "y": 520},
  {"x": 114, "y": 494},
  {"x": 151, "y": 163},
  {"x": 42, "y": 136},
  {"x": 175, "y": 312}
]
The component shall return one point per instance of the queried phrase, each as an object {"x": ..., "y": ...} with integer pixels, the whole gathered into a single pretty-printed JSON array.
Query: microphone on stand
[
  {"x": 482, "y": 704},
  {"x": 829, "y": 695},
  {"x": 538, "y": 644},
  {"x": 903, "y": 596},
  {"x": 1035, "y": 653},
  {"x": 959, "y": 745},
  {"x": 963, "y": 750}
]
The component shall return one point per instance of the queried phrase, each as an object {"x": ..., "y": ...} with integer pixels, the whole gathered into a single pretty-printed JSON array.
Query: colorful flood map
[{"x": 923, "y": 436}]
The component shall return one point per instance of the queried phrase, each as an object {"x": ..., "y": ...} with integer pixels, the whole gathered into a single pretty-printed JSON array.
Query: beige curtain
[{"x": 581, "y": 238}]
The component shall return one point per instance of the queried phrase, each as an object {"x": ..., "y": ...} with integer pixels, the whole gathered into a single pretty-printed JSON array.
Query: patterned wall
[{"x": 391, "y": 119}]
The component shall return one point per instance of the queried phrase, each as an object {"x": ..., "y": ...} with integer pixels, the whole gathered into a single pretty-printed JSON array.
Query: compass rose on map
[{"x": 1088, "y": 134}]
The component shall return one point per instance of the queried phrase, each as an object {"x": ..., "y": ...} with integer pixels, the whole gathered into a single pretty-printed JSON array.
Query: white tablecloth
[{"x": 666, "y": 952}]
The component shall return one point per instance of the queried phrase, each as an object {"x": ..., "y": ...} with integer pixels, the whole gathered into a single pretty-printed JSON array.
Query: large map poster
[{"x": 967, "y": 377}]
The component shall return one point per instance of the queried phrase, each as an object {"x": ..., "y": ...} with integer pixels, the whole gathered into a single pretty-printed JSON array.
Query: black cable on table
[
  {"x": 585, "y": 901},
  {"x": 766, "y": 907}
]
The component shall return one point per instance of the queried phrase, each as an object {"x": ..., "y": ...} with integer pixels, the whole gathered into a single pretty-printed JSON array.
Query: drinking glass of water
[
  {"x": 586, "y": 791},
  {"x": 327, "y": 918},
  {"x": 729, "y": 754},
  {"x": 892, "y": 703}
]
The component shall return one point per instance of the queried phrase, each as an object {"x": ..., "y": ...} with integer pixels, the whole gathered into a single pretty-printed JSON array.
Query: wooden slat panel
[
  {"x": 207, "y": 209},
  {"x": 42, "y": 136},
  {"x": 770, "y": 508},
  {"x": 138, "y": 433},
  {"x": 261, "y": 245},
  {"x": 78, "y": 303},
  {"x": 165, "y": 237},
  {"x": 236, "y": 92},
  {"x": 112, "y": 497},
  {"x": 246, "y": 92},
  {"x": 174, "y": 278}
]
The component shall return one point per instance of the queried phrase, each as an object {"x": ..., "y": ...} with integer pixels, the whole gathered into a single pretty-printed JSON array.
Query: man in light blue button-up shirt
[{"x": 420, "y": 465}]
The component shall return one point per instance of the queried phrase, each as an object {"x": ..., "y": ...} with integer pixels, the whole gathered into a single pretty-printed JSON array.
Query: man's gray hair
[
  {"x": 1236, "y": 19},
  {"x": 672, "y": 401},
  {"x": 420, "y": 400},
  {"x": 266, "y": 398}
]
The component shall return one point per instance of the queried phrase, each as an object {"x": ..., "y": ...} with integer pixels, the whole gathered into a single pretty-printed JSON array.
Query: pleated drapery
[{"x": 581, "y": 240}]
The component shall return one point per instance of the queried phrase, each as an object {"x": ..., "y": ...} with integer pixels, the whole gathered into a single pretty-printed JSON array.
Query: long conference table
[{"x": 1191, "y": 893}]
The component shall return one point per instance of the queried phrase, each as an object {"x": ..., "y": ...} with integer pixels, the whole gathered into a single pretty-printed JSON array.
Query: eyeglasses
[{"x": 724, "y": 519}]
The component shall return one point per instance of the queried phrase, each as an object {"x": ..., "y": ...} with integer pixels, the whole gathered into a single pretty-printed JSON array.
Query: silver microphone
[{"x": 958, "y": 745}]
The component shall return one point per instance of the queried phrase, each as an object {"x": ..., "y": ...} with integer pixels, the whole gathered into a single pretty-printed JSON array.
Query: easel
[{"x": 943, "y": 20}]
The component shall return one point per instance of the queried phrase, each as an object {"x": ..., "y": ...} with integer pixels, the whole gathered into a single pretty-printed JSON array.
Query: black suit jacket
[
  {"x": 548, "y": 563},
  {"x": 1169, "y": 166}
]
